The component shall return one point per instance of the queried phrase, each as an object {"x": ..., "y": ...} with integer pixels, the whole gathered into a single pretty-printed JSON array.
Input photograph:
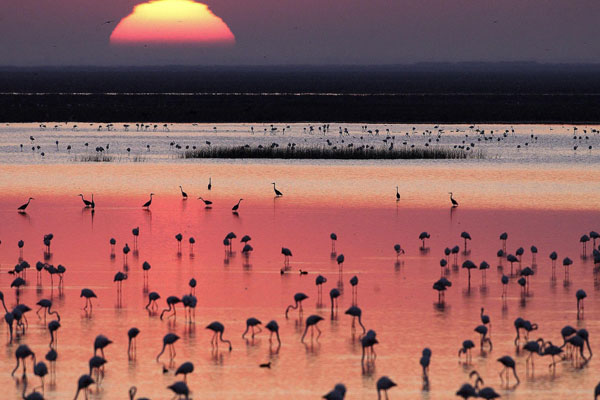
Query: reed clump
[
  {"x": 334, "y": 153},
  {"x": 94, "y": 158}
]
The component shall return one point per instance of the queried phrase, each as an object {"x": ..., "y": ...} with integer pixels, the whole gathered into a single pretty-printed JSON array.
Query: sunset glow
[{"x": 172, "y": 22}]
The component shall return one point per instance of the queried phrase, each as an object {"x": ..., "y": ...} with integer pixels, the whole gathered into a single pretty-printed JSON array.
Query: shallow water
[{"x": 549, "y": 206}]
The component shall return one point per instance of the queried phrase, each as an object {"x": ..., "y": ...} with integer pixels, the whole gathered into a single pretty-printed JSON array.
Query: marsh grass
[
  {"x": 94, "y": 158},
  {"x": 344, "y": 153}
]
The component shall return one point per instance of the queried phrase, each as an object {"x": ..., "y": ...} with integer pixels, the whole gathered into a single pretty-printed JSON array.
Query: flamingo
[
  {"x": 171, "y": 302},
  {"x": 340, "y": 262},
  {"x": 180, "y": 389},
  {"x": 333, "y": 238},
  {"x": 168, "y": 340},
  {"x": 21, "y": 354},
  {"x": 132, "y": 334},
  {"x": 185, "y": 369},
  {"x": 100, "y": 343},
  {"x": 273, "y": 327},
  {"x": 485, "y": 320},
  {"x": 425, "y": 361},
  {"x": 311, "y": 322},
  {"x": 209, "y": 183},
  {"x": 218, "y": 329},
  {"x": 533, "y": 347},
  {"x": 287, "y": 254},
  {"x": 89, "y": 295},
  {"x": 508, "y": 363},
  {"x": 467, "y": 345},
  {"x": 298, "y": 299},
  {"x": 53, "y": 327},
  {"x": 580, "y": 295},
  {"x": 483, "y": 331},
  {"x": 333, "y": 296},
  {"x": 384, "y": 384},
  {"x": 338, "y": 392},
  {"x": 132, "y": 393},
  {"x": 252, "y": 323},
  {"x": 422, "y": 237},
  {"x": 319, "y": 281},
  {"x": 397, "y": 194},
  {"x": 368, "y": 341},
  {"x": 152, "y": 298},
  {"x": 84, "y": 382},
  {"x": 355, "y": 313}
]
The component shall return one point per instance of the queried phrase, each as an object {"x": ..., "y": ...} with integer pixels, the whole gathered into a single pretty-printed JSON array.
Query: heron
[
  {"x": 22, "y": 208},
  {"x": 397, "y": 194},
  {"x": 148, "y": 203},
  {"x": 183, "y": 194},
  {"x": 237, "y": 206},
  {"x": 87, "y": 203},
  {"x": 454, "y": 202},
  {"x": 207, "y": 203},
  {"x": 209, "y": 183},
  {"x": 277, "y": 192}
]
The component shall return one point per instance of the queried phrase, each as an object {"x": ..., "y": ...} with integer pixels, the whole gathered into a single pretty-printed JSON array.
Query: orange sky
[{"x": 172, "y": 21}]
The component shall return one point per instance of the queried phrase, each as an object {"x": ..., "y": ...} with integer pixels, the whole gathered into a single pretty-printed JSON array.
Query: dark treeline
[
  {"x": 304, "y": 108},
  {"x": 463, "y": 78},
  {"x": 437, "y": 93}
]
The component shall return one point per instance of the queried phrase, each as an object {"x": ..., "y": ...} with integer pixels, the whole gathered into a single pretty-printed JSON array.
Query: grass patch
[
  {"x": 94, "y": 158},
  {"x": 332, "y": 153}
]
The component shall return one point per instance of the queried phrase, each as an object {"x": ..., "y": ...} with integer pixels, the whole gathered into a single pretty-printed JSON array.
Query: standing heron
[
  {"x": 207, "y": 203},
  {"x": 87, "y": 203},
  {"x": 277, "y": 192},
  {"x": 209, "y": 183},
  {"x": 397, "y": 194},
  {"x": 183, "y": 194},
  {"x": 22, "y": 208},
  {"x": 237, "y": 206},
  {"x": 454, "y": 202},
  {"x": 148, "y": 203}
]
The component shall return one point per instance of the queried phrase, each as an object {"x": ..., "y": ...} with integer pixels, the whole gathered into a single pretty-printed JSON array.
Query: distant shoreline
[{"x": 501, "y": 108}]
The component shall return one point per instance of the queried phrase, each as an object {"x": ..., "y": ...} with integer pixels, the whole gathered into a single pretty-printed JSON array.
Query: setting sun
[{"x": 172, "y": 22}]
